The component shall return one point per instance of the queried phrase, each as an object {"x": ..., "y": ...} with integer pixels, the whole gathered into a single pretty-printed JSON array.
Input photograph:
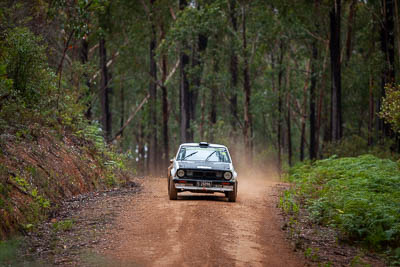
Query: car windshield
[{"x": 213, "y": 154}]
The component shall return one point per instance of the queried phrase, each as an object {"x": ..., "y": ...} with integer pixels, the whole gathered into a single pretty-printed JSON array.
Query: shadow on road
[{"x": 217, "y": 198}]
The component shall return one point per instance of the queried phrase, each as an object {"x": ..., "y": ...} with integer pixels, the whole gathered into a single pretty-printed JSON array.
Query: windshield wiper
[
  {"x": 209, "y": 156},
  {"x": 190, "y": 155}
]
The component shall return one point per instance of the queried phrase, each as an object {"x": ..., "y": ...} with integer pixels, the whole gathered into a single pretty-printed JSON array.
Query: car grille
[{"x": 204, "y": 175}]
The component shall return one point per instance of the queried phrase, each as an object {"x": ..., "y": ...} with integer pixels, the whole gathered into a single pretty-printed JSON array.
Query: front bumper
[{"x": 203, "y": 185}]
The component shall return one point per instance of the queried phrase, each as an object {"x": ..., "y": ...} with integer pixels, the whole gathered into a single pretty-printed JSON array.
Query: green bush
[
  {"x": 9, "y": 251},
  {"x": 26, "y": 77},
  {"x": 28, "y": 86},
  {"x": 355, "y": 145},
  {"x": 64, "y": 225},
  {"x": 360, "y": 196},
  {"x": 391, "y": 107}
]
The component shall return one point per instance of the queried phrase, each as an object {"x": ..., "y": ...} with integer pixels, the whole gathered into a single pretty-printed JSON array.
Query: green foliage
[
  {"x": 27, "y": 188},
  {"x": 34, "y": 103},
  {"x": 28, "y": 87},
  {"x": 26, "y": 77},
  {"x": 9, "y": 251},
  {"x": 357, "y": 261},
  {"x": 23, "y": 184},
  {"x": 355, "y": 145},
  {"x": 391, "y": 107},
  {"x": 112, "y": 159},
  {"x": 311, "y": 254},
  {"x": 288, "y": 203},
  {"x": 43, "y": 202},
  {"x": 94, "y": 133},
  {"x": 64, "y": 225},
  {"x": 394, "y": 256},
  {"x": 193, "y": 21},
  {"x": 358, "y": 196},
  {"x": 111, "y": 180}
]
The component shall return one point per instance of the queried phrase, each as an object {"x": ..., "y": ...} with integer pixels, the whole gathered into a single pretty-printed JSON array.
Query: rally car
[{"x": 202, "y": 168}]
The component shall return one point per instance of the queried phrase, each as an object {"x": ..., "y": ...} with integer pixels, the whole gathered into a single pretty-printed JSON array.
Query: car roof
[{"x": 198, "y": 144}]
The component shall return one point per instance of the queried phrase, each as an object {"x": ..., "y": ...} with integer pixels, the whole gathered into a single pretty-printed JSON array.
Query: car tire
[
  {"x": 233, "y": 194},
  {"x": 172, "y": 193}
]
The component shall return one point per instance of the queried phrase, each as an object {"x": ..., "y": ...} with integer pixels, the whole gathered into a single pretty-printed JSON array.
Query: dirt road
[{"x": 201, "y": 230}]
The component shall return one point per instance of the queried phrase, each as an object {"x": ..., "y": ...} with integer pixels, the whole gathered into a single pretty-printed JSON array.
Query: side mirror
[{"x": 171, "y": 160}]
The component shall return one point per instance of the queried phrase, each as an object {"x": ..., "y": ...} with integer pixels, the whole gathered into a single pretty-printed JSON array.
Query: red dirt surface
[{"x": 200, "y": 230}]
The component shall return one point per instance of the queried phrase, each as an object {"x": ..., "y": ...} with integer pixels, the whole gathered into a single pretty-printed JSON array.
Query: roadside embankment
[
  {"x": 40, "y": 167},
  {"x": 345, "y": 210}
]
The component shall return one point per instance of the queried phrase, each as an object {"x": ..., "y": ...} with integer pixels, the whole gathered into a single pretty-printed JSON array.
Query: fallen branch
[
  {"x": 169, "y": 76},
  {"x": 133, "y": 114},
  {"x": 116, "y": 54},
  {"x": 172, "y": 72},
  {"x": 172, "y": 13}
]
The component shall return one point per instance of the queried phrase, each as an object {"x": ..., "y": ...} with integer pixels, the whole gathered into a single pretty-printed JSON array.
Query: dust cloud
[{"x": 254, "y": 175}]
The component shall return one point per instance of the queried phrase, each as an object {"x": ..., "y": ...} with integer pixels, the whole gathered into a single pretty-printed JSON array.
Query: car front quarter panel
[{"x": 174, "y": 169}]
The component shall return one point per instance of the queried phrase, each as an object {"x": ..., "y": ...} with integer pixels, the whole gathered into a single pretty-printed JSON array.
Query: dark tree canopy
[{"x": 274, "y": 80}]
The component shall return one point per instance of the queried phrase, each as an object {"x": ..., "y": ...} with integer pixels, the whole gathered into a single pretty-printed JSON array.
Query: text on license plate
[{"x": 204, "y": 184}]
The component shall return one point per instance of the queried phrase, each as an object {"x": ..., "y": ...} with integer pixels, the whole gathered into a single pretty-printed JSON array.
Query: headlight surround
[
  {"x": 227, "y": 175},
  {"x": 180, "y": 173}
]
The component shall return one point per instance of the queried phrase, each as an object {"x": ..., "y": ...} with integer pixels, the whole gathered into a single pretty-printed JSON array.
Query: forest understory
[
  {"x": 117, "y": 227},
  {"x": 95, "y": 93}
]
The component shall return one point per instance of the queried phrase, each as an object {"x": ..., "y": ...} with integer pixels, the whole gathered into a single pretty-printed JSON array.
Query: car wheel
[
  {"x": 233, "y": 194},
  {"x": 172, "y": 193}
]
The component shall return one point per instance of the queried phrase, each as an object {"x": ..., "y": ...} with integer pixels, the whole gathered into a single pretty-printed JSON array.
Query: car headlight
[
  {"x": 180, "y": 173},
  {"x": 227, "y": 175}
]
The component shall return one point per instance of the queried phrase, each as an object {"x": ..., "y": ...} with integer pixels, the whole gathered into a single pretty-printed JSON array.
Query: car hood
[{"x": 205, "y": 165}]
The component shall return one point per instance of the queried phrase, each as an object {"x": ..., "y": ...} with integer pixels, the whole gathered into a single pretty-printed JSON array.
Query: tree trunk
[
  {"x": 304, "y": 113},
  {"x": 84, "y": 55},
  {"x": 122, "y": 105},
  {"x": 397, "y": 23},
  {"x": 314, "y": 59},
  {"x": 313, "y": 84},
  {"x": 184, "y": 90},
  {"x": 247, "y": 92},
  {"x": 105, "y": 91},
  {"x": 213, "y": 105},
  {"x": 289, "y": 133},
  {"x": 387, "y": 43},
  {"x": 350, "y": 25},
  {"x": 140, "y": 145},
  {"x": 387, "y": 47},
  {"x": 371, "y": 112},
  {"x": 288, "y": 119},
  {"x": 203, "y": 110},
  {"x": 336, "y": 108},
  {"x": 153, "y": 148},
  {"x": 165, "y": 106},
  {"x": 302, "y": 138},
  {"x": 233, "y": 67},
  {"x": 280, "y": 75},
  {"x": 321, "y": 102}
]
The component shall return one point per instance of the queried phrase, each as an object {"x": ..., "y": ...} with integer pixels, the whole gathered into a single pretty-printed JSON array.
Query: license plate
[{"x": 204, "y": 184}]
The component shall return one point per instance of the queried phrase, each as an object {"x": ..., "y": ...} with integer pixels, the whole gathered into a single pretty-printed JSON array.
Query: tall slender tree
[
  {"x": 336, "y": 79},
  {"x": 184, "y": 89},
  {"x": 165, "y": 109},
  {"x": 247, "y": 91},
  {"x": 314, "y": 58},
  {"x": 153, "y": 146},
  {"x": 84, "y": 56},
  {"x": 387, "y": 47},
  {"x": 105, "y": 90},
  {"x": 233, "y": 67}
]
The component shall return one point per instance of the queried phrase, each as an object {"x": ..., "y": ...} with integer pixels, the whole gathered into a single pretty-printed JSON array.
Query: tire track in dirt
[{"x": 201, "y": 230}]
